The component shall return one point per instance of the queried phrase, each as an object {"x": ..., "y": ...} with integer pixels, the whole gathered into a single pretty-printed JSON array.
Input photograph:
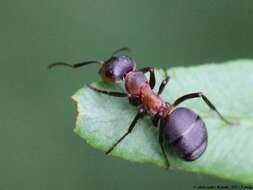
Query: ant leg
[
  {"x": 74, "y": 65},
  {"x": 110, "y": 93},
  {"x": 121, "y": 50},
  {"x": 152, "y": 75},
  {"x": 161, "y": 144},
  {"x": 156, "y": 118},
  {"x": 134, "y": 100},
  {"x": 208, "y": 102},
  {"x": 140, "y": 114},
  {"x": 163, "y": 84}
]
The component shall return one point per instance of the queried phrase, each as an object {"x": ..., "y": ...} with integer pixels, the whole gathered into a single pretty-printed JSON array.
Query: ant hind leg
[
  {"x": 206, "y": 100},
  {"x": 161, "y": 142}
]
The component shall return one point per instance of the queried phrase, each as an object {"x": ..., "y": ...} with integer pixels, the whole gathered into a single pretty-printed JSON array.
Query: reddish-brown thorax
[{"x": 138, "y": 86}]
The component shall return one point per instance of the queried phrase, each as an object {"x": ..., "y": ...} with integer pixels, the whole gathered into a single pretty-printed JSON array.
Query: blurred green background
[{"x": 38, "y": 147}]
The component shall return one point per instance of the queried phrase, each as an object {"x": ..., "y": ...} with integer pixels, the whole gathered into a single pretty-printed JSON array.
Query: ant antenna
[
  {"x": 77, "y": 65},
  {"x": 74, "y": 65},
  {"x": 121, "y": 50}
]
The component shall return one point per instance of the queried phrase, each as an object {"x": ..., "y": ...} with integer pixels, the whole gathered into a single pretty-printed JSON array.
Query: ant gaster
[{"x": 181, "y": 128}]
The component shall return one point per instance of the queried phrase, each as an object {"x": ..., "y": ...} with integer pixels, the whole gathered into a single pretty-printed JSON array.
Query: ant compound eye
[{"x": 111, "y": 72}]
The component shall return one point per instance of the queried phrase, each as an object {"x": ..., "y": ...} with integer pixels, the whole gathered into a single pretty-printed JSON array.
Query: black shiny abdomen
[{"x": 186, "y": 132}]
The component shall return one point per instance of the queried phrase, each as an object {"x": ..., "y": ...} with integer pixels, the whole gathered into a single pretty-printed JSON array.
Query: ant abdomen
[{"x": 186, "y": 132}]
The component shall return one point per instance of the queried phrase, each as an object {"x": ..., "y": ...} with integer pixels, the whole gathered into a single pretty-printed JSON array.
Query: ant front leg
[
  {"x": 109, "y": 93},
  {"x": 151, "y": 77},
  {"x": 139, "y": 115},
  {"x": 205, "y": 99}
]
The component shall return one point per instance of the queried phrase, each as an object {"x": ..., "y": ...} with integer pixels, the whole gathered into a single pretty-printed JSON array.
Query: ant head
[{"x": 116, "y": 68}]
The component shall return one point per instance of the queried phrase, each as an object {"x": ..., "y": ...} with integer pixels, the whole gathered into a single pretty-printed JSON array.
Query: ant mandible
[{"x": 183, "y": 129}]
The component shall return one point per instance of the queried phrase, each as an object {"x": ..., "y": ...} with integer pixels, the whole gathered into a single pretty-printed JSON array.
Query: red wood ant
[{"x": 183, "y": 129}]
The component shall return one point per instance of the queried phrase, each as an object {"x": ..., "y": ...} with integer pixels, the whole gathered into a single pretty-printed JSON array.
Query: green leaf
[{"x": 103, "y": 119}]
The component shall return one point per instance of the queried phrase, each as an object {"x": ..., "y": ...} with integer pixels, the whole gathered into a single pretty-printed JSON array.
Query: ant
[{"x": 183, "y": 129}]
